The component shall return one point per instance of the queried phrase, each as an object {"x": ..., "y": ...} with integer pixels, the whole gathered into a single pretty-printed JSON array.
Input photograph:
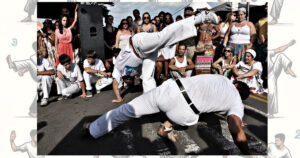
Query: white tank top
[
  {"x": 240, "y": 35},
  {"x": 224, "y": 29},
  {"x": 123, "y": 40},
  {"x": 183, "y": 64}
]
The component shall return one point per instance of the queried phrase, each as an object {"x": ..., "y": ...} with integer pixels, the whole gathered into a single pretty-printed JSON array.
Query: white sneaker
[
  {"x": 206, "y": 16},
  {"x": 44, "y": 102},
  {"x": 98, "y": 91}
]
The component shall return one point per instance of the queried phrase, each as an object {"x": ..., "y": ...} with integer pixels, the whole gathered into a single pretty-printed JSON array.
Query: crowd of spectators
[{"x": 234, "y": 48}]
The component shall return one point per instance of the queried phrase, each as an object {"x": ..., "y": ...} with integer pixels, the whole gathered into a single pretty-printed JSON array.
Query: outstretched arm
[
  {"x": 238, "y": 134},
  {"x": 75, "y": 18},
  {"x": 47, "y": 72},
  {"x": 284, "y": 47}
]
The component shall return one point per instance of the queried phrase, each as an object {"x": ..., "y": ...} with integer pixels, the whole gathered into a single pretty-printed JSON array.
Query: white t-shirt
[
  {"x": 74, "y": 75},
  {"x": 246, "y": 68},
  {"x": 98, "y": 65},
  {"x": 214, "y": 93},
  {"x": 274, "y": 152},
  {"x": 31, "y": 150},
  {"x": 127, "y": 63},
  {"x": 43, "y": 65}
]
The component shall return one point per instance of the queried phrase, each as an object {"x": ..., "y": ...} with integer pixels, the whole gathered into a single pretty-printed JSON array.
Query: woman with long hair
[
  {"x": 63, "y": 37},
  {"x": 224, "y": 64},
  {"x": 147, "y": 26},
  {"x": 240, "y": 35},
  {"x": 123, "y": 34},
  {"x": 230, "y": 18}
]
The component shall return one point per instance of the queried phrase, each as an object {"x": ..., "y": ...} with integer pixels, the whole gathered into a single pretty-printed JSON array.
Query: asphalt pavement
[{"x": 59, "y": 126}]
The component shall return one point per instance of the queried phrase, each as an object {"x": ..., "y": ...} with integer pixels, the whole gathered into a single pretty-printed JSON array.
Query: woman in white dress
[{"x": 249, "y": 71}]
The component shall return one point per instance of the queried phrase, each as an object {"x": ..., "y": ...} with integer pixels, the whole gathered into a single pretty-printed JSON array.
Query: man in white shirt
[
  {"x": 69, "y": 78},
  {"x": 182, "y": 101},
  {"x": 94, "y": 73},
  {"x": 278, "y": 149},
  {"x": 29, "y": 147},
  {"x": 146, "y": 45},
  {"x": 44, "y": 80},
  {"x": 181, "y": 65},
  {"x": 127, "y": 65}
]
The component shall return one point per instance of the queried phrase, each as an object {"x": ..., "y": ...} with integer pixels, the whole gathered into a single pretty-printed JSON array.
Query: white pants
[
  {"x": 66, "y": 88},
  {"x": 276, "y": 8},
  {"x": 275, "y": 67},
  {"x": 176, "y": 74},
  {"x": 44, "y": 85},
  {"x": 166, "y": 98},
  {"x": 148, "y": 44},
  {"x": 100, "y": 82}
]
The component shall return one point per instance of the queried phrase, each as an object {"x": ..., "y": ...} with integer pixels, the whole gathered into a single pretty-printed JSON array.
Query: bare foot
[
  {"x": 292, "y": 42},
  {"x": 32, "y": 114},
  {"x": 20, "y": 73},
  {"x": 290, "y": 72},
  {"x": 273, "y": 22},
  {"x": 27, "y": 19},
  {"x": 117, "y": 100},
  {"x": 270, "y": 116}
]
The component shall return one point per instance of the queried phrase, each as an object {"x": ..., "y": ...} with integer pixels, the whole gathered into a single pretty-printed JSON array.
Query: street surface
[{"x": 59, "y": 126}]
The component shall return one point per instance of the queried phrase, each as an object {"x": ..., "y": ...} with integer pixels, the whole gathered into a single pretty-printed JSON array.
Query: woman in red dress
[{"x": 63, "y": 37}]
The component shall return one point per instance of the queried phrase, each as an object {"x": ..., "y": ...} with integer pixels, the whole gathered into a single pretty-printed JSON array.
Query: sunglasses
[
  {"x": 227, "y": 50},
  {"x": 146, "y": 17}
]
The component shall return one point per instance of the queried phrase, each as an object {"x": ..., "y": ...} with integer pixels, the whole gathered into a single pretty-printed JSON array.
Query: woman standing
[
  {"x": 146, "y": 25},
  {"x": 123, "y": 34},
  {"x": 241, "y": 35},
  {"x": 230, "y": 18},
  {"x": 63, "y": 37},
  {"x": 110, "y": 33}
]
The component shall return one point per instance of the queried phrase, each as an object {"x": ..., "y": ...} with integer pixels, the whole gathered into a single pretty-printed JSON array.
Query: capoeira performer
[
  {"x": 144, "y": 46},
  {"x": 23, "y": 66},
  {"x": 275, "y": 11},
  {"x": 182, "y": 100},
  {"x": 277, "y": 62},
  {"x": 127, "y": 65},
  {"x": 69, "y": 78},
  {"x": 44, "y": 72},
  {"x": 94, "y": 73}
]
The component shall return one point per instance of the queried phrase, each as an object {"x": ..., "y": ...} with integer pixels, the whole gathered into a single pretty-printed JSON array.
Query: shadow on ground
[{"x": 114, "y": 143}]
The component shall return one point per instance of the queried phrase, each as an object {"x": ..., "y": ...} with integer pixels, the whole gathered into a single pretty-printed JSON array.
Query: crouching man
[
  {"x": 183, "y": 100},
  {"x": 94, "y": 73},
  {"x": 181, "y": 65},
  {"x": 69, "y": 78}
]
